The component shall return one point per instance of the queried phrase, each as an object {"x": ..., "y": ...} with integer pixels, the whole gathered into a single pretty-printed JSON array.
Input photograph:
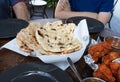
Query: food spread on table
[{"x": 52, "y": 38}]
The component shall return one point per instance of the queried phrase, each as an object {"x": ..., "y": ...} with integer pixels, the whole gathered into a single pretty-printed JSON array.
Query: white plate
[{"x": 38, "y": 2}]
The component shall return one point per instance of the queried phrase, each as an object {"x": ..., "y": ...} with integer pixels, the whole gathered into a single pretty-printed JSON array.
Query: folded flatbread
[
  {"x": 52, "y": 38},
  {"x": 58, "y": 37}
]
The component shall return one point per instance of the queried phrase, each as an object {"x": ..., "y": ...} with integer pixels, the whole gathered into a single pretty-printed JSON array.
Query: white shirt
[{"x": 115, "y": 21}]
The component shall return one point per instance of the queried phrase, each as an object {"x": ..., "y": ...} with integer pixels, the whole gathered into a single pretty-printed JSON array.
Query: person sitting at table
[
  {"x": 98, "y": 9},
  {"x": 19, "y": 9}
]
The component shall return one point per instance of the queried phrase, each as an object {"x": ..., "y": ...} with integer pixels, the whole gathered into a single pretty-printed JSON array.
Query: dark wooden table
[{"x": 9, "y": 59}]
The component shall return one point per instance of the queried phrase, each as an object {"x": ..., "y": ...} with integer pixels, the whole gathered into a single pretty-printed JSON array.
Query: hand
[{"x": 64, "y": 4}]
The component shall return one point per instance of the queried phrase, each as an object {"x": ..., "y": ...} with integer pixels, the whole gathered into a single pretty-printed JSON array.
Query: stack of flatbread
[{"x": 52, "y": 38}]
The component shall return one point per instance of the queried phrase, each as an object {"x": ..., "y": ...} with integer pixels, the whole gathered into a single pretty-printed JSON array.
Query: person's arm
[
  {"x": 21, "y": 11},
  {"x": 63, "y": 11},
  {"x": 104, "y": 17},
  {"x": 105, "y": 11}
]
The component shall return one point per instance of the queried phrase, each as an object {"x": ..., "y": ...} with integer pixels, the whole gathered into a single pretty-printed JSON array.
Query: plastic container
[{"x": 114, "y": 41}]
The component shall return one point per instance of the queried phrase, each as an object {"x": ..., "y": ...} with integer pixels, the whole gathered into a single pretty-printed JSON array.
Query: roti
[
  {"x": 52, "y": 38},
  {"x": 58, "y": 37}
]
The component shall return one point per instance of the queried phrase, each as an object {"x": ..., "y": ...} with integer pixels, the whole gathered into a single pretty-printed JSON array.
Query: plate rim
[
  {"x": 12, "y": 72},
  {"x": 14, "y": 32},
  {"x": 85, "y": 17}
]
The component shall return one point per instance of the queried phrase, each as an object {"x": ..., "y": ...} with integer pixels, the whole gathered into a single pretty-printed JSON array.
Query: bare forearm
[
  {"x": 67, "y": 14},
  {"x": 63, "y": 11},
  {"x": 21, "y": 11},
  {"x": 104, "y": 17}
]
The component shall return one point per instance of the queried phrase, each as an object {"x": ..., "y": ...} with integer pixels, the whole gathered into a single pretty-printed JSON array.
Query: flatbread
[
  {"x": 52, "y": 38},
  {"x": 26, "y": 40},
  {"x": 20, "y": 41},
  {"x": 57, "y": 37},
  {"x": 26, "y": 37}
]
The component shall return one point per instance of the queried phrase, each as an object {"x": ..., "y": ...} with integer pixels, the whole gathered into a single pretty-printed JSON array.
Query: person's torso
[
  {"x": 5, "y": 11},
  {"x": 91, "y": 5}
]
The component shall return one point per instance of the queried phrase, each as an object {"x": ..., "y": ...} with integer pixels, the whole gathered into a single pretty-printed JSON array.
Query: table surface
[{"x": 9, "y": 59}]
